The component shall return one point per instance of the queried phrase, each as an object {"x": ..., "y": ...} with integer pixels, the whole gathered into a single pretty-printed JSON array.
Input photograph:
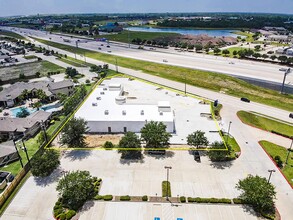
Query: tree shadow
[
  {"x": 45, "y": 181},
  {"x": 221, "y": 164},
  {"x": 168, "y": 154},
  {"x": 131, "y": 161},
  {"x": 77, "y": 154},
  {"x": 87, "y": 206},
  {"x": 249, "y": 209}
]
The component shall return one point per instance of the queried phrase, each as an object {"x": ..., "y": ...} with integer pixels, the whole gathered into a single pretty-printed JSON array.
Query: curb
[{"x": 276, "y": 165}]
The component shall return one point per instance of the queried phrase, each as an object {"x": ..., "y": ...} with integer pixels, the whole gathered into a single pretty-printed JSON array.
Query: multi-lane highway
[{"x": 245, "y": 68}]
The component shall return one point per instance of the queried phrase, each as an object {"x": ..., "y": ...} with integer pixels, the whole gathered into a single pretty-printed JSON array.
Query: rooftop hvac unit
[
  {"x": 102, "y": 93},
  {"x": 98, "y": 98},
  {"x": 104, "y": 89},
  {"x": 94, "y": 104},
  {"x": 123, "y": 112},
  {"x": 106, "y": 112},
  {"x": 142, "y": 112},
  {"x": 161, "y": 113}
]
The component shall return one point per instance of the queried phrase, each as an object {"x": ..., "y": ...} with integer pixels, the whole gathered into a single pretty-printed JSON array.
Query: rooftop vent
[
  {"x": 94, "y": 104},
  {"x": 161, "y": 113},
  {"x": 124, "y": 112},
  {"x": 104, "y": 89},
  {"x": 98, "y": 98},
  {"x": 106, "y": 112},
  {"x": 142, "y": 112},
  {"x": 102, "y": 93}
]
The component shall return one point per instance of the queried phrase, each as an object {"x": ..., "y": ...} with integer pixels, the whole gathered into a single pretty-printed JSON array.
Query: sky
[{"x": 31, "y": 7}]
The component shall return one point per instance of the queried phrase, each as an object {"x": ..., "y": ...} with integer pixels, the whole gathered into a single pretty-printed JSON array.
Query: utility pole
[
  {"x": 168, "y": 168},
  {"x": 289, "y": 150},
  {"x": 20, "y": 160},
  {"x": 44, "y": 130},
  {"x": 116, "y": 65},
  {"x": 185, "y": 85},
  {"x": 270, "y": 171},
  {"x": 25, "y": 150}
]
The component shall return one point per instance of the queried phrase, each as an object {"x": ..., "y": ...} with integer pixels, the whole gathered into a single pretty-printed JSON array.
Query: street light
[
  {"x": 228, "y": 131},
  {"x": 289, "y": 150},
  {"x": 185, "y": 83},
  {"x": 284, "y": 79},
  {"x": 25, "y": 150},
  {"x": 168, "y": 168},
  {"x": 116, "y": 64},
  {"x": 270, "y": 171}
]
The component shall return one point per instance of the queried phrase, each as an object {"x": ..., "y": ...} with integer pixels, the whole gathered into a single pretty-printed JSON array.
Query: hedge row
[
  {"x": 125, "y": 198},
  {"x": 61, "y": 213},
  {"x": 284, "y": 135},
  {"x": 209, "y": 200},
  {"x": 105, "y": 197}
]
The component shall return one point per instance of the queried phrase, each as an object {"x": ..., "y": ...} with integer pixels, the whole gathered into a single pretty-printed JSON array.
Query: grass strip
[
  {"x": 264, "y": 123},
  {"x": 275, "y": 150},
  {"x": 204, "y": 79}
]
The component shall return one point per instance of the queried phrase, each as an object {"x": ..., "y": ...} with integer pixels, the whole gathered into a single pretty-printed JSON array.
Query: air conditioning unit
[
  {"x": 104, "y": 89},
  {"x": 98, "y": 98},
  {"x": 161, "y": 113},
  {"x": 142, "y": 112},
  {"x": 124, "y": 112},
  {"x": 94, "y": 104},
  {"x": 102, "y": 93},
  {"x": 106, "y": 112}
]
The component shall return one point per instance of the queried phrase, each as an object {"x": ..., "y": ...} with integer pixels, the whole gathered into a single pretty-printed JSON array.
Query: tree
[
  {"x": 40, "y": 94},
  {"x": 218, "y": 151},
  {"x": 217, "y": 50},
  {"x": 37, "y": 105},
  {"x": 256, "y": 55},
  {"x": 225, "y": 52},
  {"x": 130, "y": 140},
  {"x": 197, "y": 139},
  {"x": 257, "y": 48},
  {"x": 256, "y": 191},
  {"x": 198, "y": 47},
  {"x": 76, "y": 188},
  {"x": 235, "y": 52},
  {"x": 73, "y": 133},
  {"x": 155, "y": 135},
  {"x": 283, "y": 59},
  {"x": 22, "y": 113},
  {"x": 273, "y": 57},
  {"x": 265, "y": 56},
  {"x": 24, "y": 95},
  {"x": 71, "y": 72},
  {"x": 44, "y": 164}
]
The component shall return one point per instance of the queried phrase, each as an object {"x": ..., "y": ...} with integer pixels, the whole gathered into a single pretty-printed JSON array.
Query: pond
[{"x": 186, "y": 31}]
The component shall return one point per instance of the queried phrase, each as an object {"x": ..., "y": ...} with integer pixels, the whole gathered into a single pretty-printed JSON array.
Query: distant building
[
  {"x": 19, "y": 127},
  {"x": 278, "y": 29},
  {"x": 9, "y": 96},
  {"x": 8, "y": 153},
  {"x": 279, "y": 38}
]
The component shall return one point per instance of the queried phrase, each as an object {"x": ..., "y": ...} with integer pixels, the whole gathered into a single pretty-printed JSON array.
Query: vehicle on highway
[
  {"x": 165, "y": 61},
  {"x": 109, "y": 51},
  {"x": 243, "y": 99},
  {"x": 99, "y": 48},
  {"x": 102, "y": 44},
  {"x": 108, "y": 46},
  {"x": 283, "y": 69},
  {"x": 231, "y": 63},
  {"x": 291, "y": 115}
]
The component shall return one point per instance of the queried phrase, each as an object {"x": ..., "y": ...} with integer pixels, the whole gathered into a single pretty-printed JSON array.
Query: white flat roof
[{"x": 89, "y": 112}]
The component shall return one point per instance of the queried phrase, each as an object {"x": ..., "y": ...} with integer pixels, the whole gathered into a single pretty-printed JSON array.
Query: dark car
[
  {"x": 291, "y": 115},
  {"x": 196, "y": 156},
  {"x": 108, "y": 46},
  {"x": 243, "y": 99}
]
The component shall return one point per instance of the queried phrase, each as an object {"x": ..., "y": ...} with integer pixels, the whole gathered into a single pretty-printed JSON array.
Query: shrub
[
  {"x": 57, "y": 212},
  {"x": 238, "y": 201},
  {"x": 278, "y": 161},
  {"x": 166, "y": 188},
  {"x": 62, "y": 216},
  {"x": 144, "y": 198},
  {"x": 98, "y": 197},
  {"x": 108, "y": 197},
  {"x": 70, "y": 214},
  {"x": 87, "y": 81},
  {"x": 125, "y": 198},
  {"x": 108, "y": 145},
  {"x": 182, "y": 199}
]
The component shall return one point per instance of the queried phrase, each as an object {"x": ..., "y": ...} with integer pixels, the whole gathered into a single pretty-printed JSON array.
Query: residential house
[{"x": 7, "y": 153}]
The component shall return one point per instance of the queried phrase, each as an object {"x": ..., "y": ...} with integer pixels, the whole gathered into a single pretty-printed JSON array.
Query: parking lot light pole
[
  {"x": 270, "y": 171},
  {"x": 289, "y": 150},
  {"x": 228, "y": 132},
  {"x": 168, "y": 168},
  {"x": 284, "y": 79}
]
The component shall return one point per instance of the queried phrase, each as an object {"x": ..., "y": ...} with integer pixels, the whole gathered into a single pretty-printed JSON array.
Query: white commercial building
[{"x": 106, "y": 111}]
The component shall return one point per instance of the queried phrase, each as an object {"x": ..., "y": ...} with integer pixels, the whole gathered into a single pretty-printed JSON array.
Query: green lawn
[
  {"x": 76, "y": 63},
  {"x": 276, "y": 150},
  {"x": 235, "y": 148},
  {"x": 248, "y": 35},
  {"x": 51, "y": 67},
  {"x": 123, "y": 36},
  {"x": 12, "y": 34},
  {"x": 204, "y": 79},
  {"x": 264, "y": 123}
]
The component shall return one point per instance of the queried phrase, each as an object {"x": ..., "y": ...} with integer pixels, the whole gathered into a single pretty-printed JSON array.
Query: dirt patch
[{"x": 97, "y": 140}]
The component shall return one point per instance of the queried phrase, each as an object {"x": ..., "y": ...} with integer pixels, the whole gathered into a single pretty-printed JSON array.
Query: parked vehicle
[
  {"x": 196, "y": 156},
  {"x": 243, "y": 99}
]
